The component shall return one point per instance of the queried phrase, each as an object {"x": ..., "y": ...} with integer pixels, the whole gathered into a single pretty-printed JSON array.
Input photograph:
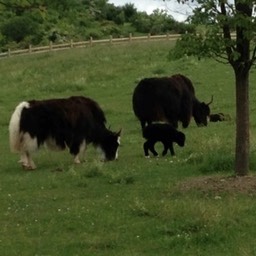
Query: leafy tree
[
  {"x": 142, "y": 22},
  {"x": 223, "y": 17},
  {"x": 61, "y": 5},
  {"x": 114, "y": 13},
  {"x": 156, "y": 23},
  {"x": 129, "y": 12},
  {"x": 160, "y": 22},
  {"x": 24, "y": 22}
]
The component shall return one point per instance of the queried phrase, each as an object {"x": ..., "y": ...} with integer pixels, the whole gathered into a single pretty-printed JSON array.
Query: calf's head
[{"x": 180, "y": 139}]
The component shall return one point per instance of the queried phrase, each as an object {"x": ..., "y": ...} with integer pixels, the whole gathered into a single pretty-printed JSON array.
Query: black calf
[
  {"x": 217, "y": 117},
  {"x": 164, "y": 133}
]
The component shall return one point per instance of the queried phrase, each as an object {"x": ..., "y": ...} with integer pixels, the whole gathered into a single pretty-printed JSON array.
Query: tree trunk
[{"x": 242, "y": 123}]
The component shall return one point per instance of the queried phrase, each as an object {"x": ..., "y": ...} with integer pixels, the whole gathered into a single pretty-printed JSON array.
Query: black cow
[
  {"x": 162, "y": 132},
  {"x": 74, "y": 122},
  {"x": 168, "y": 99}
]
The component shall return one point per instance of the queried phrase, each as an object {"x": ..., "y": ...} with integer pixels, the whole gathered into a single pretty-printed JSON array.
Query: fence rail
[{"x": 71, "y": 44}]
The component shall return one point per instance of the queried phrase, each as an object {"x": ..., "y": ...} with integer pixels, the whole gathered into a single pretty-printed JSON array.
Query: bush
[
  {"x": 113, "y": 30},
  {"x": 2, "y": 41},
  {"x": 19, "y": 27}
]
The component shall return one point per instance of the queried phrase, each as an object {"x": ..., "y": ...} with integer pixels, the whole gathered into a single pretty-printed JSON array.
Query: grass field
[{"x": 132, "y": 206}]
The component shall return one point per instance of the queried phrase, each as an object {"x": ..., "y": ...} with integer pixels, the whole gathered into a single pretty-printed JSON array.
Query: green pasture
[{"x": 132, "y": 206}]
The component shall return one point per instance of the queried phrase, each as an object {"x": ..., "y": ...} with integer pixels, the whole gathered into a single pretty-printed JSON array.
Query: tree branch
[
  {"x": 226, "y": 32},
  {"x": 253, "y": 59},
  {"x": 220, "y": 58}
]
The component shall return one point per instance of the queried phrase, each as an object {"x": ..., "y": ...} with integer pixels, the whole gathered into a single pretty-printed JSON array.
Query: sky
[{"x": 178, "y": 11}]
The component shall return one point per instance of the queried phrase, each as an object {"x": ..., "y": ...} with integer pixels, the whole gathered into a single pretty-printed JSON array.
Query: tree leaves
[{"x": 228, "y": 30}]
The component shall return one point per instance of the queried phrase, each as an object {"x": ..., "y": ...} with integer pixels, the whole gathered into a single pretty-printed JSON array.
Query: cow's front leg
[
  {"x": 145, "y": 147},
  {"x": 77, "y": 159},
  {"x": 171, "y": 149},
  {"x": 80, "y": 153},
  {"x": 27, "y": 162},
  {"x": 166, "y": 146}
]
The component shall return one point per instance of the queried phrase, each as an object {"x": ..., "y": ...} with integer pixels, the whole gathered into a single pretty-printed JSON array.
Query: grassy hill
[{"x": 133, "y": 206}]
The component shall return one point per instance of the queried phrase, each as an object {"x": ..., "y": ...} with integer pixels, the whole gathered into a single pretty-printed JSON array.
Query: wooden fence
[{"x": 91, "y": 42}]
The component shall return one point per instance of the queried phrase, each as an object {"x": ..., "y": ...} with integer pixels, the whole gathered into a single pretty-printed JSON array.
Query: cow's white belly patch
[{"x": 50, "y": 143}]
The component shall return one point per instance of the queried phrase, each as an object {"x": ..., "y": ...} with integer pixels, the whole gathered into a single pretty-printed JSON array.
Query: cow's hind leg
[
  {"x": 150, "y": 145},
  {"x": 29, "y": 145}
]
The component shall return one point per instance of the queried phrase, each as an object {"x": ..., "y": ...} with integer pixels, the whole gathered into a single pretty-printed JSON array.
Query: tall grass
[{"x": 132, "y": 206}]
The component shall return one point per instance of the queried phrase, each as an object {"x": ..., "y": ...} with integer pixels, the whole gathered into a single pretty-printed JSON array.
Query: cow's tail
[{"x": 15, "y": 139}]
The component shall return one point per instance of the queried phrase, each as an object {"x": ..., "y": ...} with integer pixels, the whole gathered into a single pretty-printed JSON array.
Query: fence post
[
  {"x": 130, "y": 37},
  {"x": 111, "y": 39},
  {"x": 30, "y": 48},
  {"x": 71, "y": 43},
  {"x": 50, "y": 46},
  {"x": 149, "y": 36},
  {"x": 90, "y": 41},
  {"x": 9, "y": 52},
  {"x": 168, "y": 36}
]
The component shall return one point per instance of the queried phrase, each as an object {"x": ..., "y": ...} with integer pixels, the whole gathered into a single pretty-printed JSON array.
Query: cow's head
[
  {"x": 110, "y": 145},
  {"x": 201, "y": 113}
]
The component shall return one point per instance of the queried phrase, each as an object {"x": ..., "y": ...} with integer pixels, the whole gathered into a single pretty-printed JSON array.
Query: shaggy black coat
[{"x": 168, "y": 99}]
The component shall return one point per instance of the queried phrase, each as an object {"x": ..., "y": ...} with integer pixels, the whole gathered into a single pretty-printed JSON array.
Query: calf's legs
[{"x": 149, "y": 146}]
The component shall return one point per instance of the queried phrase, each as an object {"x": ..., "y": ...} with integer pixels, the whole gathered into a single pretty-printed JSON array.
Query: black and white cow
[{"x": 70, "y": 123}]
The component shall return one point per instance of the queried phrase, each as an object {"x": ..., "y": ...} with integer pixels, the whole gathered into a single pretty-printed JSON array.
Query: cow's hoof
[{"x": 28, "y": 167}]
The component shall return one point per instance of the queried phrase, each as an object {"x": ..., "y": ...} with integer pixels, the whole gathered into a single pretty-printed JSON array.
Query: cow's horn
[
  {"x": 119, "y": 132},
  {"x": 210, "y": 101}
]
